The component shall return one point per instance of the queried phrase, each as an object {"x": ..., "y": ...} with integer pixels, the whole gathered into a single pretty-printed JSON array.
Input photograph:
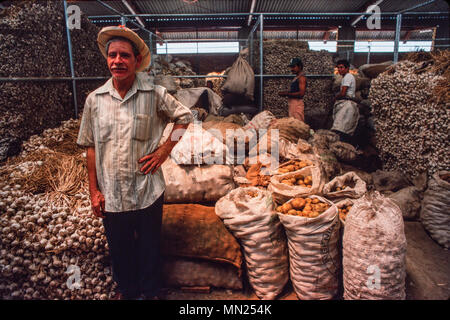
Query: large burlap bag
[
  {"x": 313, "y": 253},
  {"x": 374, "y": 250},
  {"x": 283, "y": 192},
  {"x": 435, "y": 212},
  {"x": 240, "y": 79},
  {"x": 355, "y": 187},
  {"x": 192, "y": 184},
  {"x": 248, "y": 213},
  {"x": 195, "y": 233}
]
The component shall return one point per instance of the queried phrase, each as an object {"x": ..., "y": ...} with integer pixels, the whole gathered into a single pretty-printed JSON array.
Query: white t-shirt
[{"x": 350, "y": 82}]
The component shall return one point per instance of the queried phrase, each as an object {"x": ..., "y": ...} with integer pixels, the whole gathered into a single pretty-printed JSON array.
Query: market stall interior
[{"x": 259, "y": 204}]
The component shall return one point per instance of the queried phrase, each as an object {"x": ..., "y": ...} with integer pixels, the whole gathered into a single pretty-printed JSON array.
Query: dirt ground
[{"x": 427, "y": 269}]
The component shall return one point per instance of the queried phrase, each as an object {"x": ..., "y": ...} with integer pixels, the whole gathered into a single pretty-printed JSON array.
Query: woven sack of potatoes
[
  {"x": 313, "y": 252},
  {"x": 191, "y": 184},
  {"x": 374, "y": 250},
  {"x": 348, "y": 185},
  {"x": 194, "y": 232},
  {"x": 435, "y": 214},
  {"x": 304, "y": 182},
  {"x": 344, "y": 206},
  {"x": 248, "y": 213}
]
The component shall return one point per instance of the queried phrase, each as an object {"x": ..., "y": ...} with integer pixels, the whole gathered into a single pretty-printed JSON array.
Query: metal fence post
[
  {"x": 398, "y": 27},
  {"x": 72, "y": 70},
  {"x": 261, "y": 64}
]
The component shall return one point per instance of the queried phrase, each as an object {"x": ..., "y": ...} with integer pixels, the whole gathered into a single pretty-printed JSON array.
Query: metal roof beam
[
  {"x": 417, "y": 6},
  {"x": 132, "y": 9},
  {"x": 252, "y": 9}
]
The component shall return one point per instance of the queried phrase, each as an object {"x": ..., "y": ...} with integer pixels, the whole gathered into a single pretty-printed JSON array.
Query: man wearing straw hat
[{"x": 122, "y": 124}]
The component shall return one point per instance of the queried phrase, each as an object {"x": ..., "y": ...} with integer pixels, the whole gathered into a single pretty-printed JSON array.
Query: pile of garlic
[{"x": 51, "y": 245}]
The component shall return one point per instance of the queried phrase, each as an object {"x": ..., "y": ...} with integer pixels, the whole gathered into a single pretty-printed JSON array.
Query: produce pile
[
  {"x": 33, "y": 43},
  {"x": 303, "y": 207},
  {"x": 52, "y": 246},
  {"x": 319, "y": 96},
  {"x": 167, "y": 68},
  {"x": 410, "y": 105}
]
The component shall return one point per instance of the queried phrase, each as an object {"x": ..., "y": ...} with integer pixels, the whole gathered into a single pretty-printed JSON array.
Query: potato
[
  {"x": 286, "y": 207},
  {"x": 282, "y": 170},
  {"x": 292, "y": 212},
  {"x": 308, "y": 180},
  {"x": 315, "y": 200},
  {"x": 298, "y": 203},
  {"x": 313, "y": 214},
  {"x": 290, "y": 168}
]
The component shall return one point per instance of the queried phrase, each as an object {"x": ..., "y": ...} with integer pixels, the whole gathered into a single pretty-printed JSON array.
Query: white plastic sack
[
  {"x": 357, "y": 191},
  {"x": 255, "y": 224},
  {"x": 374, "y": 250},
  {"x": 313, "y": 253},
  {"x": 192, "y": 184},
  {"x": 435, "y": 213}
]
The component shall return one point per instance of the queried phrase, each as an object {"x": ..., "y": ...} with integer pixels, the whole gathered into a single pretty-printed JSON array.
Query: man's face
[
  {"x": 295, "y": 69},
  {"x": 121, "y": 60},
  {"x": 342, "y": 69}
]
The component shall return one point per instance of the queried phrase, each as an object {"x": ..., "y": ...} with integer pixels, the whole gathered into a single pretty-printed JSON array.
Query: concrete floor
[{"x": 427, "y": 268}]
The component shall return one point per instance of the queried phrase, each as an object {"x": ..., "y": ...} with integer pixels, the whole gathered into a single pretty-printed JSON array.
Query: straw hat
[{"x": 121, "y": 31}]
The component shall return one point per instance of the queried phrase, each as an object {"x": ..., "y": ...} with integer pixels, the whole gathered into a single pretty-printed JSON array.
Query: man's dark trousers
[{"x": 134, "y": 239}]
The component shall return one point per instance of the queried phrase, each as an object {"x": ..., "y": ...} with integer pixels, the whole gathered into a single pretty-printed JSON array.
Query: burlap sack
[
  {"x": 195, "y": 231},
  {"x": 313, "y": 253},
  {"x": 435, "y": 213},
  {"x": 283, "y": 192},
  {"x": 248, "y": 213},
  {"x": 356, "y": 187},
  {"x": 192, "y": 184},
  {"x": 374, "y": 250},
  {"x": 194, "y": 237},
  {"x": 188, "y": 272},
  {"x": 240, "y": 79},
  {"x": 344, "y": 151}
]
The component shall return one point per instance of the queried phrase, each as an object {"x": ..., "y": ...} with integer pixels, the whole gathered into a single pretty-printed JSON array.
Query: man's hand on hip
[
  {"x": 98, "y": 203},
  {"x": 155, "y": 159}
]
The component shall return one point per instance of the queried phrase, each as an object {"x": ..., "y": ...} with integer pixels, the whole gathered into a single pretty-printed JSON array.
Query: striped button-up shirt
[{"x": 123, "y": 131}]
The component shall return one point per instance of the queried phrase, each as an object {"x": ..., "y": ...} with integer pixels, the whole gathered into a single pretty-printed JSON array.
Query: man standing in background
[{"x": 345, "y": 110}]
